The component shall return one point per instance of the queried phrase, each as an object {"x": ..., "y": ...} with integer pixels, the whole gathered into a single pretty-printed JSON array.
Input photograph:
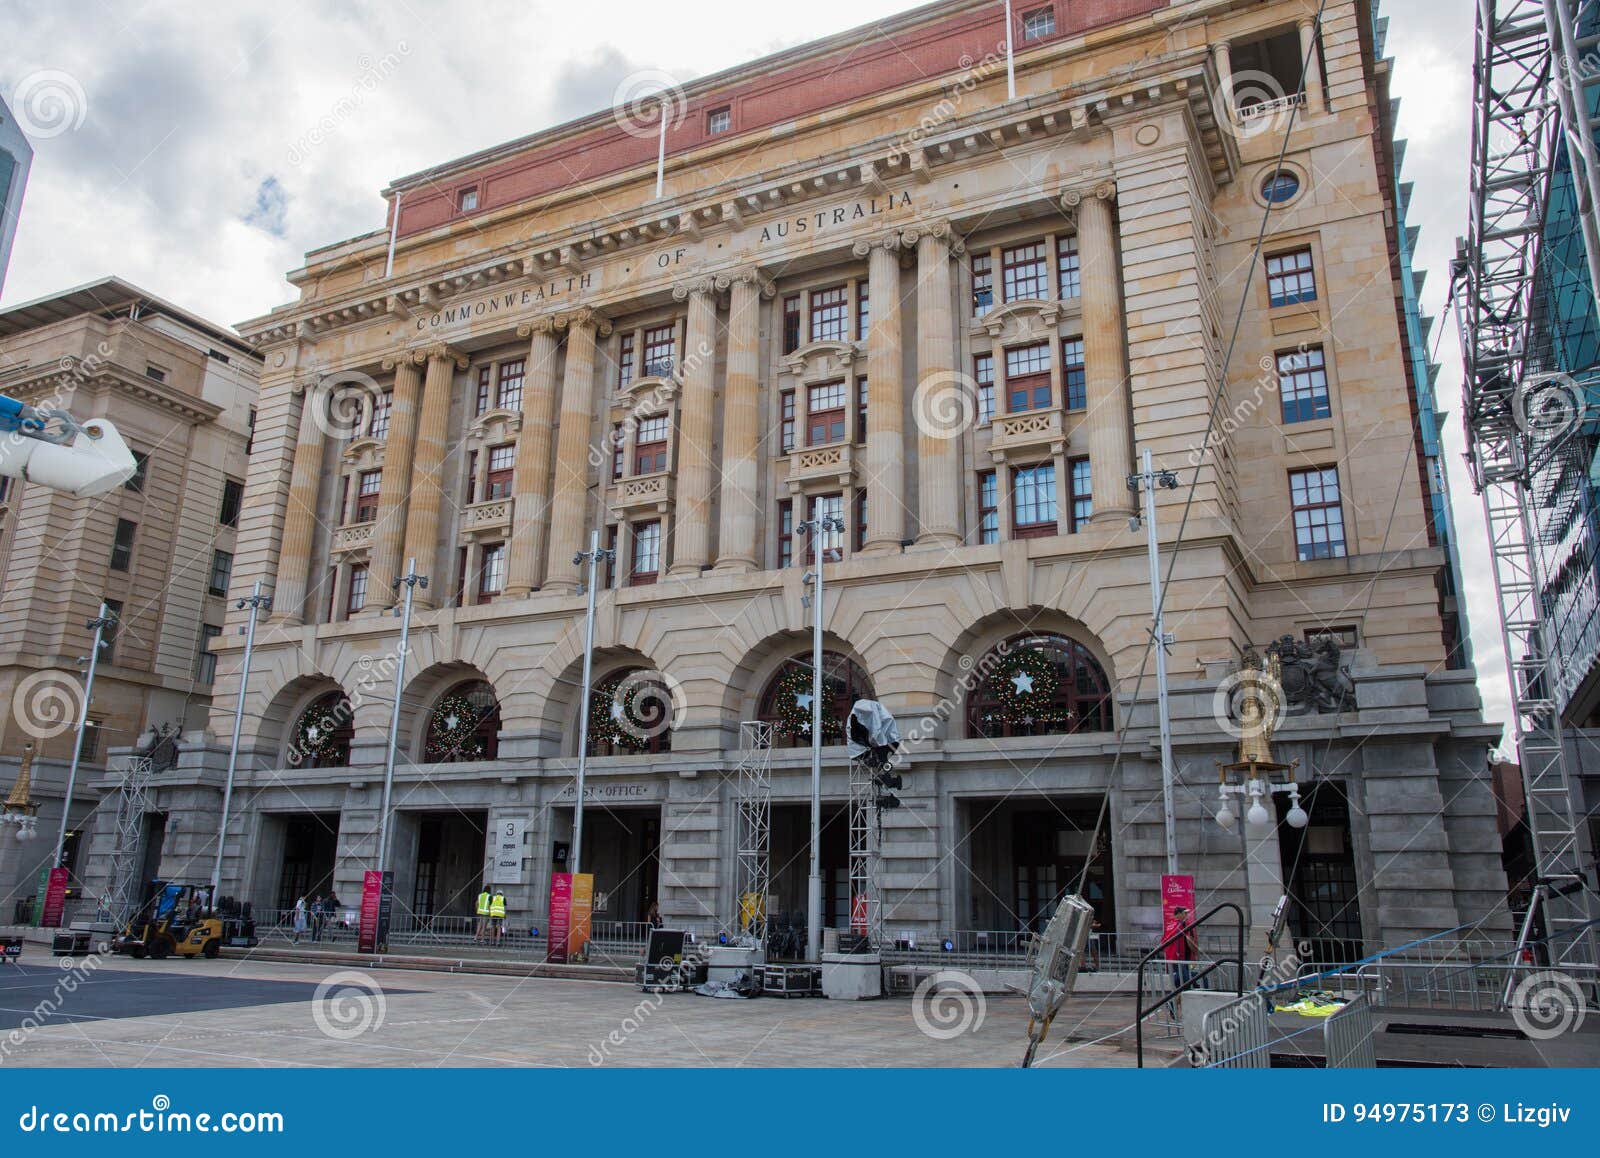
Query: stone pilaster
[
  {"x": 741, "y": 425},
  {"x": 389, "y": 532},
  {"x": 938, "y": 443},
  {"x": 530, "y": 510},
  {"x": 696, "y": 470},
  {"x": 884, "y": 476},
  {"x": 1109, "y": 417},
  {"x": 427, "y": 470},
  {"x": 300, "y": 517},
  {"x": 569, "y": 513},
  {"x": 1313, "y": 68}
]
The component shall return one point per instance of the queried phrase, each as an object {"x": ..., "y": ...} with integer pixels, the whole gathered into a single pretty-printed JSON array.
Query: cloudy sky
[{"x": 217, "y": 143}]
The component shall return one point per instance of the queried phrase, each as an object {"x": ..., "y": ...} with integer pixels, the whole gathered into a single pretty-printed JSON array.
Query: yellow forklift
[{"x": 180, "y": 920}]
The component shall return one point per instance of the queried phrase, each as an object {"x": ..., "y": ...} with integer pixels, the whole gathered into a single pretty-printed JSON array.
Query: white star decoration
[
  {"x": 805, "y": 726},
  {"x": 616, "y": 711},
  {"x": 451, "y": 721},
  {"x": 1023, "y": 682},
  {"x": 313, "y": 733},
  {"x": 803, "y": 701}
]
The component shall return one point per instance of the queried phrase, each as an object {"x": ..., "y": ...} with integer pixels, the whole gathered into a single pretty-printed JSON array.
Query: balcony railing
[
  {"x": 1027, "y": 431},
  {"x": 348, "y": 538},
  {"x": 491, "y": 514},
  {"x": 832, "y": 463},
  {"x": 644, "y": 491}
]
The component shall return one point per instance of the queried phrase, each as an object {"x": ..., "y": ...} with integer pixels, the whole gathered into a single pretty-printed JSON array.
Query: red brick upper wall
[{"x": 878, "y": 63}]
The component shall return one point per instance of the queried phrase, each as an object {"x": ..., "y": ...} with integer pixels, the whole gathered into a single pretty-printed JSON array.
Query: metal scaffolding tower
[
  {"x": 866, "y": 852},
  {"x": 135, "y": 800},
  {"x": 755, "y": 829},
  {"x": 1511, "y": 404}
]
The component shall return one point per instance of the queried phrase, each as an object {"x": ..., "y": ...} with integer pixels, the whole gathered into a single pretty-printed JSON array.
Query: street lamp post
[
  {"x": 410, "y": 581},
  {"x": 818, "y": 529},
  {"x": 99, "y": 624},
  {"x": 257, "y": 603},
  {"x": 595, "y": 555},
  {"x": 1148, "y": 480}
]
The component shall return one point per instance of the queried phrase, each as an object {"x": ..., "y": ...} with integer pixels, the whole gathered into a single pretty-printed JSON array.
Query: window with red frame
[
  {"x": 825, "y": 414},
  {"x": 1027, "y": 378},
  {"x": 625, "y": 360},
  {"x": 982, "y": 284},
  {"x": 480, "y": 405},
  {"x": 830, "y": 314},
  {"x": 472, "y": 477},
  {"x": 786, "y": 422},
  {"x": 650, "y": 445},
  {"x": 378, "y": 425},
  {"x": 461, "y": 576},
  {"x": 356, "y": 597},
  {"x": 863, "y": 312},
  {"x": 660, "y": 346},
  {"x": 988, "y": 507},
  {"x": 646, "y": 568},
  {"x": 1023, "y": 271},
  {"x": 861, "y": 411},
  {"x": 492, "y": 574},
  {"x": 791, "y": 323},
  {"x": 368, "y": 484},
  {"x": 1080, "y": 492},
  {"x": 1033, "y": 501},
  {"x": 983, "y": 375},
  {"x": 508, "y": 392},
  {"x": 617, "y": 449},
  {"x": 502, "y": 465},
  {"x": 785, "y": 532}
]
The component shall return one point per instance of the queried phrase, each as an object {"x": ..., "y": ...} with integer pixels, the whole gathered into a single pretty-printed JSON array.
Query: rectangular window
[
  {"x": 827, "y": 506},
  {"x": 1033, "y": 500},
  {"x": 1072, "y": 374},
  {"x": 502, "y": 467},
  {"x": 830, "y": 314},
  {"x": 825, "y": 414},
  {"x": 859, "y": 531},
  {"x": 205, "y": 664},
  {"x": 983, "y": 375},
  {"x": 863, "y": 312},
  {"x": 785, "y": 532},
  {"x": 89, "y": 747},
  {"x": 1290, "y": 278},
  {"x": 155, "y": 373},
  {"x": 786, "y": 422},
  {"x": 650, "y": 445},
  {"x": 861, "y": 411},
  {"x": 141, "y": 473},
  {"x": 1303, "y": 384},
  {"x": 660, "y": 345},
  {"x": 356, "y": 598},
  {"x": 618, "y": 447},
  {"x": 646, "y": 554},
  {"x": 1038, "y": 24},
  {"x": 982, "y": 284},
  {"x": 122, "y": 545},
  {"x": 611, "y": 556},
  {"x": 988, "y": 507},
  {"x": 368, "y": 484},
  {"x": 232, "y": 501},
  {"x": 5, "y": 489},
  {"x": 509, "y": 390},
  {"x": 492, "y": 575},
  {"x": 791, "y": 323},
  {"x": 719, "y": 121},
  {"x": 472, "y": 477},
  {"x": 250, "y": 437},
  {"x": 378, "y": 426},
  {"x": 1023, "y": 271},
  {"x": 1027, "y": 378},
  {"x": 221, "y": 572},
  {"x": 481, "y": 405},
  {"x": 625, "y": 360},
  {"x": 467, "y": 200},
  {"x": 461, "y": 577},
  {"x": 1318, "y": 517},
  {"x": 111, "y": 632},
  {"x": 1067, "y": 271},
  {"x": 1081, "y": 492}
]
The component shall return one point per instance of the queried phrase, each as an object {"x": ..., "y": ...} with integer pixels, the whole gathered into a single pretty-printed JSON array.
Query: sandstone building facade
[{"x": 871, "y": 286}]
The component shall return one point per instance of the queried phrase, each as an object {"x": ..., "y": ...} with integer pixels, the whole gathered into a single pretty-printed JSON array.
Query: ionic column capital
[
  {"x": 942, "y": 230},
  {"x": 440, "y": 352},
  {"x": 748, "y": 276},
  {"x": 703, "y": 286},
  {"x": 548, "y": 324},
  {"x": 588, "y": 318},
  {"x": 893, "y": 241},
  {"x": 1073, "y": 197}
]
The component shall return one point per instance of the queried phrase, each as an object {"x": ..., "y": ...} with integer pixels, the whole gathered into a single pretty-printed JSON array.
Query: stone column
[
  {"x": 1313, "y": 67},
  {"x": 530, "y": 510},
  {"x": 427, "y": 470},
  {"x": 569, "y": 514},
  {"x": 942, "y": 408},
  {"x": 300, "y": 518},
  {"x": 389, "y": 532},
  {"x": 741, "y": 425},
  {"x": 884, "y": 474},
  {"x": 1224, "y": 60},
  {"x": 1109, "y": 416},
  {"x": 696, "y": 426}
]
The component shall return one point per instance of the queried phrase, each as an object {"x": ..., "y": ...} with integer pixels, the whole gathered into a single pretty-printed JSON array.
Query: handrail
[{"x": 1140, "y": 1012}]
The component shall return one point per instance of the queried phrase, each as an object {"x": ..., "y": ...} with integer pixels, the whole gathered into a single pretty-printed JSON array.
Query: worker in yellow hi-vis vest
[
  {"x": 484, "y": 898},
  {"x": 497, "y": 915}
]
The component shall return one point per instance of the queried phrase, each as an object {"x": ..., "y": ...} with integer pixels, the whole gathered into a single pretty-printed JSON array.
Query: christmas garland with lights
[
  {"x": 322, "y": 734},
  {"x": 1029, "y": 699},
  {"x": 795, "y": 720},
  {"x": 452, "y": 733},
  {"x": 617, "y": 723}
]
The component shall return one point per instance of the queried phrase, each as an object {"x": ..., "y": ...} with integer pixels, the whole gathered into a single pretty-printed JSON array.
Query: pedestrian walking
[
  {"x": 484, "y": 898},
  {"x": 299, "y": 919},
  {"x": 1185, "y": 951},
  {"x": 316, "y": 916}
]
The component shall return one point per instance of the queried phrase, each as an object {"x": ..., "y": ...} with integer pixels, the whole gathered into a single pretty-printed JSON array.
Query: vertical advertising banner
[
  {"x": 579, "y": 930},
  {"x": 1177, "y": 892},
  {"x": 373, "y": 932},
  {"x": 560, "y": 917},
  {"x": 55, "y": 899},
  {"x": 508, "y": 852},
  {"x": 858, "y": 913}
]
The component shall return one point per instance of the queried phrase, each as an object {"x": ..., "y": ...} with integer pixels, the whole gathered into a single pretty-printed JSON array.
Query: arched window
[
  {"x": 630, "y": 712},
  {"x": 1039, "y": 685},
  {"x": 464, "y": 725},
  {"x": 321, "y": 736},
  {"x": 786, "y": 702}
]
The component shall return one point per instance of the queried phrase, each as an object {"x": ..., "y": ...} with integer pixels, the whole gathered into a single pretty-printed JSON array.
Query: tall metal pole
[
  {"x": 1011, "y": 64},
  {"x": 1149, "y": 480},
  {"x": 593, "y": 555},
  {"x": 411, "y": 580},
  {"x": 256, "y": 602},
  {"x": 99, "y": 623},
  {"x": 818, "y": 528}
]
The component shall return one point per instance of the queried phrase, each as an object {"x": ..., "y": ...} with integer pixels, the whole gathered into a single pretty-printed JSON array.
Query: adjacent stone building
[
  {"x": 158, "y": 551},
  {"x": 872, "y": 285}
]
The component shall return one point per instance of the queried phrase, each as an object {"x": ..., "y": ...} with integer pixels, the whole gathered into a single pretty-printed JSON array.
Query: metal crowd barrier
[
  {"x": 1347, "y": 1036},
  {"x": 1237, "y": 1036}
]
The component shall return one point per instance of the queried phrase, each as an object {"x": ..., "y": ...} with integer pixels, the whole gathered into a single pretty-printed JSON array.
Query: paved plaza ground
[{"x": 234, "y": 1012}]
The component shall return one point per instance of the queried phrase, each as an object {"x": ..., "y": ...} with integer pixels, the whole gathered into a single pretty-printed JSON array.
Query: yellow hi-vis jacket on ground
[
  {"x": 497, "y": 905},
  {"x": 483, "y": 903}
]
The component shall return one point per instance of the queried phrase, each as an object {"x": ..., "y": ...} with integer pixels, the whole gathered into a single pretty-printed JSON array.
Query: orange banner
[{"x": 578, "y": 930}]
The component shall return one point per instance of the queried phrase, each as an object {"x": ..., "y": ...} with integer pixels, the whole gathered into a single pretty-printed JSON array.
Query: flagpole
[
  {"x": 1011, "y": 66},
  {"x": 661, "y": 149}
]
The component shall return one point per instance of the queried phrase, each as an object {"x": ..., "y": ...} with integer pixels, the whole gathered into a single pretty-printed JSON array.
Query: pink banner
[
  {"x": 1177, "y": 892},
  {"x": 560, "y": 917}
]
